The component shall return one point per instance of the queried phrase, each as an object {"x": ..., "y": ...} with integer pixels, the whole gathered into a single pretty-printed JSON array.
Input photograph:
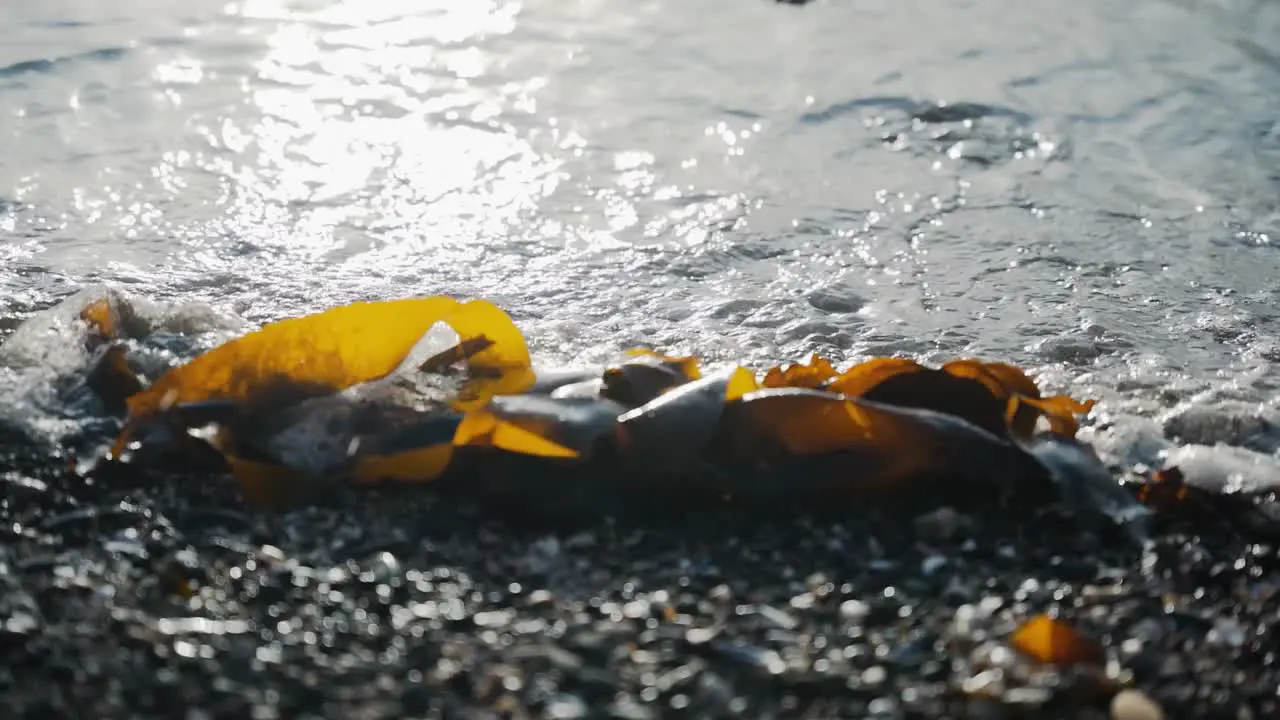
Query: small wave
[
  {"x": 44, "y": 361},
  {"x": 43, "y": 65},
  {"x": 931, "y": 112},
  {"x": 1217, "y": 443}
]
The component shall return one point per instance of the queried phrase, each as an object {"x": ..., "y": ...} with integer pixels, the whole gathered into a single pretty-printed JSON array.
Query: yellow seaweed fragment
[
  {"x": 1059, "y": 410},
  {"x": 740, "y": 382},
  {"x": 527, "y": 436},
  {"x": 806, "y": 422},
  {"x": 1001, "y": 379},
  {"x": 419, "y": 465},
  {"x": 102, "y": 319},
  {"x": 502, "y": 366},
  {"x": 1050, "y": 640},
  {"x": 864, "y": 376},
  {"x": 1010, "y": 399},
  {"x": 336, "y": 349},
  {"x": 815, "y": 374},
  {"x": 1024, "y": 405}
]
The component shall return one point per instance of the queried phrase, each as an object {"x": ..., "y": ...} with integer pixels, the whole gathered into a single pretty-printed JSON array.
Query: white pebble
[
  {"x": 1226, "y": 632},
  {"x": 942, "y": 524},
  {"x": 854, "y": 609},
  {"x": 988, "y": 683},
  {"x": 1134, "y": 705},
  {"x": 932, "y": 564}
]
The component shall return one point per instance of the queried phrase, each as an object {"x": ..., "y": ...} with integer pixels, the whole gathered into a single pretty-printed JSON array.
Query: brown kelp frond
[{"x": 995, "y": 396}]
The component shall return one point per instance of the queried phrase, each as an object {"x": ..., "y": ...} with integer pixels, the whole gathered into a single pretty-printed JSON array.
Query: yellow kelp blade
[
  {"x": 864, "y": 376},
  {"x": 484, "y": 429},
  {"x": 803, "y": 421},
  {"x": 334, "y": 349},
  {"x": 929, "y": 389},
  {"x": 503, "y": 366},
  {"x": 103, "y": 318},
  {"x": 817, "y": 373},
  {"x": 539, "y": 425},
  {"x": 420, "y": 465},
  {"x": 1024, "y": 404},
  {"x": 505, "y": 349},
  {"x": 740, "y": 382},
  {"x": 882, "y": 445},
  {"x": 997, "y": 397},
  {"x": 1002, "y": 379},
  {"x": 1005, "y": 383},
  {"x": 338, "y": 348},
  {"x": 1060, "y": 410},
  {"x": 267, "y": 484}
]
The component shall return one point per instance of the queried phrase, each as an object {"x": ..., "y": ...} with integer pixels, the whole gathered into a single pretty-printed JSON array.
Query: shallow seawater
[{"x": 1086, "y": 189}]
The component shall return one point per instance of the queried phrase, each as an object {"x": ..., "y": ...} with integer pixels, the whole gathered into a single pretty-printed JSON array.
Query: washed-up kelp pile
[{"x": 440, "y": 391}]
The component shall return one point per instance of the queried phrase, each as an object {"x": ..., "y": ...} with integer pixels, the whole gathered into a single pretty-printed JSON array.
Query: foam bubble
[
  {"x": 44, "y": 362},
  {"x": 1224, "y": 467}
]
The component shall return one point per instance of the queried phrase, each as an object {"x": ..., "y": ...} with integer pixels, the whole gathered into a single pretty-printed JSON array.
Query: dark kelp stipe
[{"x": 441, "y": 391}]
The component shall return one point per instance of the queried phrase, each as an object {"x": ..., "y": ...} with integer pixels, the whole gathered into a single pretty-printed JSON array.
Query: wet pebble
[
  {"x": 1135, "y": 705},
  {"x": 945, "y": 523}
]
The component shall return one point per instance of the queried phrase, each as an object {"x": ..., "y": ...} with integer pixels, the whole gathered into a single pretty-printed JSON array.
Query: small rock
[
  {"x": 21, "y": 623},
  {"x": 493, "y": 618},
  {"x": 1226, "y": 632},
  {"x": 1135, "y": 705},
  {"x": 882, "y": 706},
  {"x": 566, "y": 707},
  {"x": 753, "y": 656},
  {"x": 803, "y": 601},
  {"x": 942, "y": 524},
  {"x": 988, "y": 683},
  {"x": 700, "y": 636},
  {"x": 989, "y": 605},
  {"x": 626, "y": 708},
  {"x": 993, "y": 655},
  {"x": 1027, "y": 697},
  {"x": 854, "y": 610},
  {"x": 381, "y": 568},
  {"x": 932, "y": 564},
  {"x": 581, "y": 541},
  {"x": 777, "y": 617}
]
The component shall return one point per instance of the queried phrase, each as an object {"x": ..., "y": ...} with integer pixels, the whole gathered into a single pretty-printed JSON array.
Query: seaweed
[{"x": 439, "y": 391}]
